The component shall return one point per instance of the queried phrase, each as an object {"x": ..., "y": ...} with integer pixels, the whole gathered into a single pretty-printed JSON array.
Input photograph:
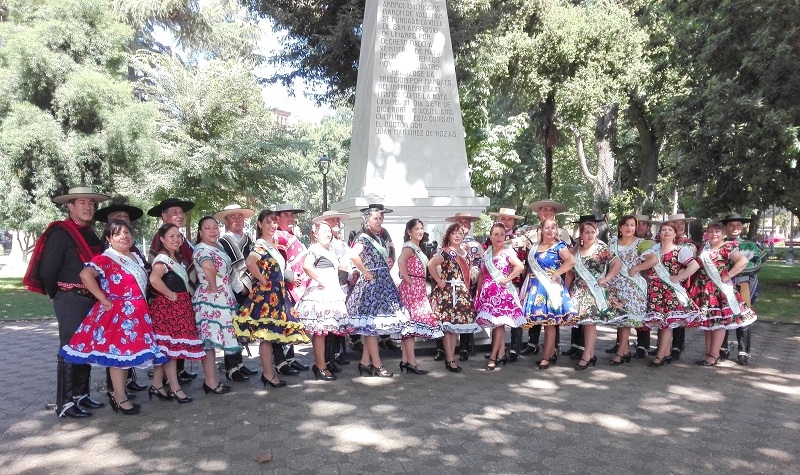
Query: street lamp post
[{"x": 324, "y": 164}]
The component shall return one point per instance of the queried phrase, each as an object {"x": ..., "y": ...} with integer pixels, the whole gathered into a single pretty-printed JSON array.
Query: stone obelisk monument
[{"x": 407, "y": 150}]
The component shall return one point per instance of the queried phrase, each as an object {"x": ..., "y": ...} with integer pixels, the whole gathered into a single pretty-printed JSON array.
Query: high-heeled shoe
[
  {"x": 181, "y": 400},
  {"x": 219, "y": 389},
  {"x": 622, "y": 359},
  {"x": 331, "y": 366},
  {"x": 541, "y": 364},
  {"x": 364, "y": 369},
  {"x": 491, "y": 365},
  {"x": 449, "y": 366},
  {"x": 381, "y": 372},
  {"x": 590, "y": 362},
  {"x": 134, "y": 409},
  {"x": 266, "y": 381},
  {"x": 154, "y": 391},
  {"x": 320, "y": 374},
  {"x": 703, "y": 362},
  {"x": 661, "y": 362},
  {"x": 502, "y": 361},
  {"x": 411, "y": 368}
]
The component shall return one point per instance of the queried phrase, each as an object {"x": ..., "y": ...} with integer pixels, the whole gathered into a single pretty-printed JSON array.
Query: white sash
[
  {"x": 713, "y": 274},
  {"x": 382, "y": 250},
  {"x": 553, "y": 290},
  {"x": 637, "y": 278},
  {"x": 496, "y": 274},
  {"x": 176, "y": 267},
  {"x": 319, "y": 251},
  {"x": 664, "y": 275},
  {"x": 585, "y": 274},
  {"x": 134, "y": 266},
  {"x": 273, "y": 251},
  {"x": 420, "y": 255}
]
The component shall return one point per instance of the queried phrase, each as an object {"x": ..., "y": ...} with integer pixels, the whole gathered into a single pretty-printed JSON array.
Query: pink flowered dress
[
  {"x": 664, "y": 309},
  {"x": 423, "y": 323},
  {"x": 214, "y": 311},
  {"x": 497, "y": 305}
]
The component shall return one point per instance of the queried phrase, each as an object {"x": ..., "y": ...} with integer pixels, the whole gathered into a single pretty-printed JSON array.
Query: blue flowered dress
[
  {"x": 374, "y": 305},
  {"x": 538, "y": 308},
  {"x": 122, "y": 336}
]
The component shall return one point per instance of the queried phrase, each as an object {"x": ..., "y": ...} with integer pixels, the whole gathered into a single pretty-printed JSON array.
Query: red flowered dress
[
  {"x": 715, "y": 310},
  {"x": 422, "y": 322},
  {"x": 664, "y": 308},
  {"x": 173, "y": 322}
]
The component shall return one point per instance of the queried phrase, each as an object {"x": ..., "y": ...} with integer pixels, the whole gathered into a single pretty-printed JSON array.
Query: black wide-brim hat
[
  {"x": 377, "y": 207},
  {"x": 134, "y": 213},
  {"x": 590, "y": 218},
  {"x": 156, "y": 210},
  {"x": 734, "y": 217}
]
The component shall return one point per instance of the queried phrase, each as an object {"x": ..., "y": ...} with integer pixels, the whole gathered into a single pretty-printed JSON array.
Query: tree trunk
[
  {"x": 603, "y": 147},
  {"x": 648, "y": 150}
]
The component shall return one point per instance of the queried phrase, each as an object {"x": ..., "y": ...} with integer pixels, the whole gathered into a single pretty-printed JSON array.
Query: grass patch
[
  {"x": 17, "y": 303},
  {"x": 779, "y": 293}
]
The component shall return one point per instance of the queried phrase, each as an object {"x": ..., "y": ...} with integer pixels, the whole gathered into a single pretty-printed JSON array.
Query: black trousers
[{"x": 72, "y": 379}]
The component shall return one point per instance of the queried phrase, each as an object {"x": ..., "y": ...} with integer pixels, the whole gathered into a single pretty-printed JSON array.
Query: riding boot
[
  {"x": 743, "y": 342},
  {"x": 232, "y": 367},
  {"x": 533, "y": 335},
  {"x": 80, "y": 388},
  {"x": 242, "y": 368},
  {"x": 131, "y": 382},
  {"x": 678, "y": 339},
  {"x": 642, "y": 342},
  {"x": 724, "y": 349},
  {"x": 515, "y": 347},
  {"x": 440, "y": 354},
  {"x": 65, "y": 406}
]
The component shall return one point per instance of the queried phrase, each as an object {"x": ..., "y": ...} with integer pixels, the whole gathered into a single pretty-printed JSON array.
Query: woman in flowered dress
[
  {"x": 450, "y": 298},
  {"x": 265, "y": 316},
  {"x": 118, "y": 331},
  {"x": 595, "y": 266},
  {"x": 668, "y": 303},
  {"x": 374, "y": 305},
  {"x": 213, "y": 301},
  {"x": 412, "y": 266},
  {"x": 546, "y": 300},
  {"x": 497, "y": 302},
  {"x": 721, "y": 306},
  {"x": 173, "y": 316},
  {"x": 321, "y": 309},
  {"x": 636, "y": 255}
]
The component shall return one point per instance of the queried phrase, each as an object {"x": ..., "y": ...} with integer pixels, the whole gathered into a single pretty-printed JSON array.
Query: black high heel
[
  {"x": 449, "y": 365},
  {"x": 219, "y": 389},
  {"x": 333, "y": 368},
  {"x": 661, "y": 362},
  {"x": 502, "y": 361},
  {"x": 154, "y": 391},
  {"x": 411, "y": 369},
  {"x": 590, "y": 362},
  {"x": 553, "y": 359},
  {"x": 381, "y": 371},
  {"x": 622, "y": 359},
  {"x": 266, "y": 381},
  {"x": 181, "y": 400},
  {"x": 320, "y": 374},
  {"x": 550, "y": 361},
  {"x": 117, "y": 408},
  {"x": 362, "y": 369},
  {"x": 703, "y": 362}
]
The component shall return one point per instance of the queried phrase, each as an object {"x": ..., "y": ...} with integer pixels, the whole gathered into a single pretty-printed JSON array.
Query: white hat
[
  {"x": 680, "y": 217},
  {"x": 536, "y": 206},
  {"x": 80, "y": 192},
  {"x": 506, "y": 212},
  {"x": 453, "y": 219},
  {"x": 233, "y": 209},
  {"x": 330, "y": 214},
  {"x": 643, "y": 218},
  {"x": 280, "y": 208}
]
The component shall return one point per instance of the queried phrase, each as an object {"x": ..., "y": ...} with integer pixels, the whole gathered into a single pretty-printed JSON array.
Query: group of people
[{"x": 121, "y": 309}]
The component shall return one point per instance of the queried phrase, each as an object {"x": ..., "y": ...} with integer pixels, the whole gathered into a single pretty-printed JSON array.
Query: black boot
[
  {"x": 242, "y": 368},
  {"x": 515, "y": 347},
  {"x": 532, "y": 348},
  {"x": 183, "y": 374},
  {"x": 466, "y": 345},
  {"x": 131, "y": 382},
  {"x": 65, "y": 406},
  {"x": 678, "y": 339},
  {"x": 439, "y": 356},
  {"x": 231, "y": 362},
  {"x": 575, "y": 351},
  {"x": 642, "y": 342},
  {"x": 80, "y": 387},
  {"x": 340, "y": 350},
  {"x": 743, "y": 342}
]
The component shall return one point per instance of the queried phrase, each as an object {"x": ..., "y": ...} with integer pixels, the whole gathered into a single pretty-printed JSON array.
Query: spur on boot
[
  {"x": 86, "y": 402},
  {"x": 411, "y": 369},
  {"x": 266, "y": 381},
  {"x": 590, "y": 362},
  {"x": 320, "y": 374}
]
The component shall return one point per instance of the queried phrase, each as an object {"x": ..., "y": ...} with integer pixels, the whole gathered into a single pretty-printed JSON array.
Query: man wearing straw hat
[
  {"x": 294, "y": 251},
  {"x": 643, "y": 224},
  {"x": 54, "y": 269},
  {"x": 336, "y": 343},
  {"x": 118, "y": 209},
  {"x": 171, "y": 210},
  {"x": 237, "y": 245},
  {"x": 746, "y": 281}
]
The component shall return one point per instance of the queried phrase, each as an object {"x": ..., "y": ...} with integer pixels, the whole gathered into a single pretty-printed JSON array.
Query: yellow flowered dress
[{"x": 267, "y": 315}]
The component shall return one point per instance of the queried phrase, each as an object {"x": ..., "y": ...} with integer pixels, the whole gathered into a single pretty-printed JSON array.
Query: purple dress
[{"x": 496, "y": 305}]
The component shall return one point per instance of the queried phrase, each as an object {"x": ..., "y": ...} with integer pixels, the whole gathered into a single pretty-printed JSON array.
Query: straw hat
[
  {"x": 165, "y": 204},
  {"x": 680, "y": 217},
  {"x": 134, "y": 213},
  {"x": 643, "y": 218},
  {"x": 288, "y": 207},
  {"x": 233, "y": 209},
  {"x": 536, "y": 206},
  {"x": 80, "y": 192},
  {"x": 506, "y": 212},
  {"x": 453, "y": 219},
  {"x": 330, "y": 214}
]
